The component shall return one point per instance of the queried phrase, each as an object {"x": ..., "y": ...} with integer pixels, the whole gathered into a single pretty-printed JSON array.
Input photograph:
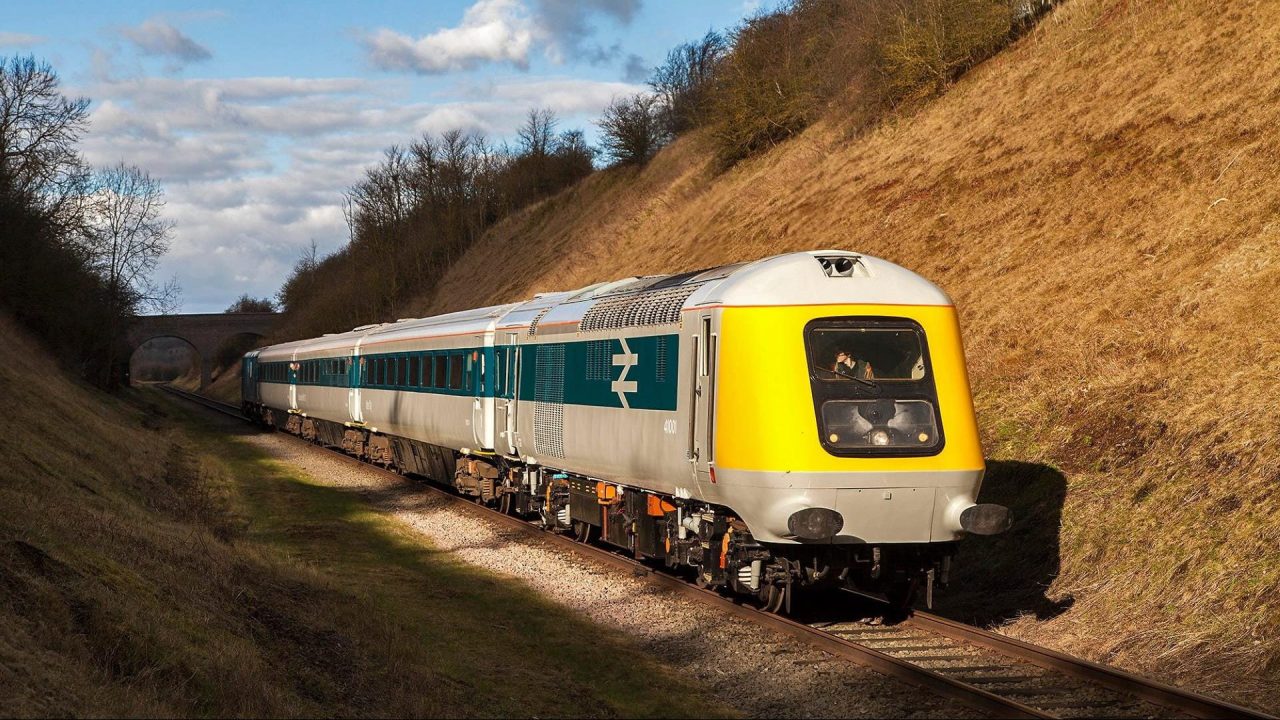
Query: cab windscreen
[{"x": 873, "y": 387}]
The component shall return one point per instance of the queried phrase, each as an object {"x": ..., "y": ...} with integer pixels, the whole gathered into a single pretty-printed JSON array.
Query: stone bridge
[{"x": 205, "y": 333}]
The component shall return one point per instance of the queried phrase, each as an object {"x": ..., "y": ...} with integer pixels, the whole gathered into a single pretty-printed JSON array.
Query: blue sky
[{"x": 257, "y": 116}]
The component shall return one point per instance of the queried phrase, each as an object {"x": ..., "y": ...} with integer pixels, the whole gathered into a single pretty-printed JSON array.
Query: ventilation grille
[
  {"x": 661, "y": 351},
  {"x": 548, "y": 401},
  {"x": 599, "y": 360},
  {"x": 653, "y": 307},
  {"x": 533, "y": 326}
]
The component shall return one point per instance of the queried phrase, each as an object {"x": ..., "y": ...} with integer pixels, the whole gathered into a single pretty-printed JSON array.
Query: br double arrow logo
[{"x": 626, "y": 360}]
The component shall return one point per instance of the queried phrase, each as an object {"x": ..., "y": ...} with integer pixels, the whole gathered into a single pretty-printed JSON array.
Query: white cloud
[
  {"x": 13, "y": 39},
  {"x": 160, "y": 38},
  {"x": 491, "y": 31},
  {"x": 503, "y": 32},
  {"x": 255, "y": 168}
]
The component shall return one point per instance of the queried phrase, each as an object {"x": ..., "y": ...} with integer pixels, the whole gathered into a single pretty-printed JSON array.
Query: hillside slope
[{"x": 1100, "y": 201}]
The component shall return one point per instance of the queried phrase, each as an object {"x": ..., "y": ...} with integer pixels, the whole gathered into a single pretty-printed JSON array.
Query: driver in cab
[{"x": 850, "y": 367}]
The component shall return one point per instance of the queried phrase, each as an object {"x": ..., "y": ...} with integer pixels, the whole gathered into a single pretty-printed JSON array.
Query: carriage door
[
  {"x": 355, "y": 375},
  {"x": 506, "y": 376},
  {"x": 293, "y": 382},
  {"x": 477, "y": 374},
  {"x": 702, "y": 429}
]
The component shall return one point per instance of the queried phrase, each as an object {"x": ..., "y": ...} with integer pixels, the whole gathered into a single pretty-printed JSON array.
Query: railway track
[{"x": 987, "y": 671}]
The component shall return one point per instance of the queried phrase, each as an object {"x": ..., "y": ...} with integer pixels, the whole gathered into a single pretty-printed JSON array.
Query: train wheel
[
  {"x": 504, "y": 505},
  {"x": 582, "y": 531}
]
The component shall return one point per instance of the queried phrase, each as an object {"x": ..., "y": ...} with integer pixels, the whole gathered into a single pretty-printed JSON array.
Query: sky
[{"x": 256, "y": 117}]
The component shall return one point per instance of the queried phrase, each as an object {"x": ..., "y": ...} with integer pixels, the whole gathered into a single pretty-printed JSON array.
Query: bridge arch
[{"x": 205, "y": 333}]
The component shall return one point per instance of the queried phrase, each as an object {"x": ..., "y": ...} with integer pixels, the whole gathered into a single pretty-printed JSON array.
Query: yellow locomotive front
[{"x": 845, "y": 431}]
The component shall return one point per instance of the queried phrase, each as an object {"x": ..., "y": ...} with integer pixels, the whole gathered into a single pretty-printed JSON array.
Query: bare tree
[
  {"x": 127, "y": 235},
  {"x": 631, "y": 129},
  {"x": 301, "y": 281},
  {"x": 538, "y": 132},
  {"x": 39, "y": 129},
  {"x": 683, "y": 79}
]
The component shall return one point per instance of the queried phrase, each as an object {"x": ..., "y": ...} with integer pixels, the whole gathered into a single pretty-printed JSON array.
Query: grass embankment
[
  {"x": 225, "y": 385},
  {"x": 1100, "y": 200},
  {"x": 147, "y": 570}
]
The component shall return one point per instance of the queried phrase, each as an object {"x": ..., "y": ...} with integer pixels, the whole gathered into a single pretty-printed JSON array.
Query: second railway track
[{"x": 987, "y": 671}]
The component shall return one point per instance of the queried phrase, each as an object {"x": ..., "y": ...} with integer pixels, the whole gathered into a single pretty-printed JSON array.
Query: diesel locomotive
[{"x": 800, "y": 420}]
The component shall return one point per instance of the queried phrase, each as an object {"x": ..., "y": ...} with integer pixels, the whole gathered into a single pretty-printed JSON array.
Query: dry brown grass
[{"x": 1101, "y": 202}]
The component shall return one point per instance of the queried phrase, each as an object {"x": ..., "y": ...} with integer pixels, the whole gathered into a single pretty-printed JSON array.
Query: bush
[
  {"x": 683, "y": 81},
  {"x": 788, "y": 67},
  {"x": 246, "y": 304},
  {"x": 631, "y": 129},
  {"x": 926, "y": 44},
  {"x": 782, "y": 72}
]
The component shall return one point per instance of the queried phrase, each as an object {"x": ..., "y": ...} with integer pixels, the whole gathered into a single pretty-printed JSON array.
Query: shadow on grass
[
  {"x": 1001, "y": 577},
  {"x": 374, "y": 602}
]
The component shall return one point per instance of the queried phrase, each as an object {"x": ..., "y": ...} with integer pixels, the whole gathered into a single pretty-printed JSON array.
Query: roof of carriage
[
  {"x": 831, "y": 277},
  {"x": 821, "y": 277}
]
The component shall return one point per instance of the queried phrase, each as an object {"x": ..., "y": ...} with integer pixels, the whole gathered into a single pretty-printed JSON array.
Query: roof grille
[
  {"x": 648, "y": 307},
  {"x": 533, "y": 326}
]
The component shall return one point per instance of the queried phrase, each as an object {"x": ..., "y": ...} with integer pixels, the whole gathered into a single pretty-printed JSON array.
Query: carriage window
[
  {"x": 414, "y": 369},
  {"x": 441, "y": 363},
  {"x": 500, "y": 372},
  {"x": 868, "y": 354},
  {"x": 455, "y": 371}
]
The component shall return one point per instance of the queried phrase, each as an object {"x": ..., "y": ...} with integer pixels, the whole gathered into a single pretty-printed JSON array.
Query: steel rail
[
  {"x": 1111, "y": 678},
  {"x": 1147, "y": 689}
]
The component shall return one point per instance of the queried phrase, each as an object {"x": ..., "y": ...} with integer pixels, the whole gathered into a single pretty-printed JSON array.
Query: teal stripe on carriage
[{"x": 640, "y": 373}]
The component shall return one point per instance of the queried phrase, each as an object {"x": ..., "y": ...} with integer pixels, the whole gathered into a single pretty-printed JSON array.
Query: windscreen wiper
[{"x": 849, "y": 376}]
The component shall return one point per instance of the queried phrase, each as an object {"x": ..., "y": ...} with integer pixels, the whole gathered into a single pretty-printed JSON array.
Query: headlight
[
  {"x": 815, "y": 523},
  {"x": 879, "y": 437}
]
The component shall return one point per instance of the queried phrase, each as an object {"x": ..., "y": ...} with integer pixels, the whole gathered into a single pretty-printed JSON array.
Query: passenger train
[{"x": 800, "y": 420}]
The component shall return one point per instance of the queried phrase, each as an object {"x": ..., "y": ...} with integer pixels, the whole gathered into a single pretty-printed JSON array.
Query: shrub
[
  {"x": 632, "y": 129},
  {"x": 924, "y": 45},
  {"x": 782, "y": 72},
  {"x": 787, "y": 67},
  {"x": 246, "y": 304},
  {"x": 683, "y": 81}
]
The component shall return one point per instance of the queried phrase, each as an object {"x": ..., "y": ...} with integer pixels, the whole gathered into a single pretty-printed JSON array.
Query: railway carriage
[{"x": 799, "y": 420}]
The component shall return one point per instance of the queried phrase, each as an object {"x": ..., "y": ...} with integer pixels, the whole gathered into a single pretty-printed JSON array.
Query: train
[{"x": 798, "y": 421}]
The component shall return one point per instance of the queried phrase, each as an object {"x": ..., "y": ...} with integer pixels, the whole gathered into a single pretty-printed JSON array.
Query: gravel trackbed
[{"x": 755, "y": 670}]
